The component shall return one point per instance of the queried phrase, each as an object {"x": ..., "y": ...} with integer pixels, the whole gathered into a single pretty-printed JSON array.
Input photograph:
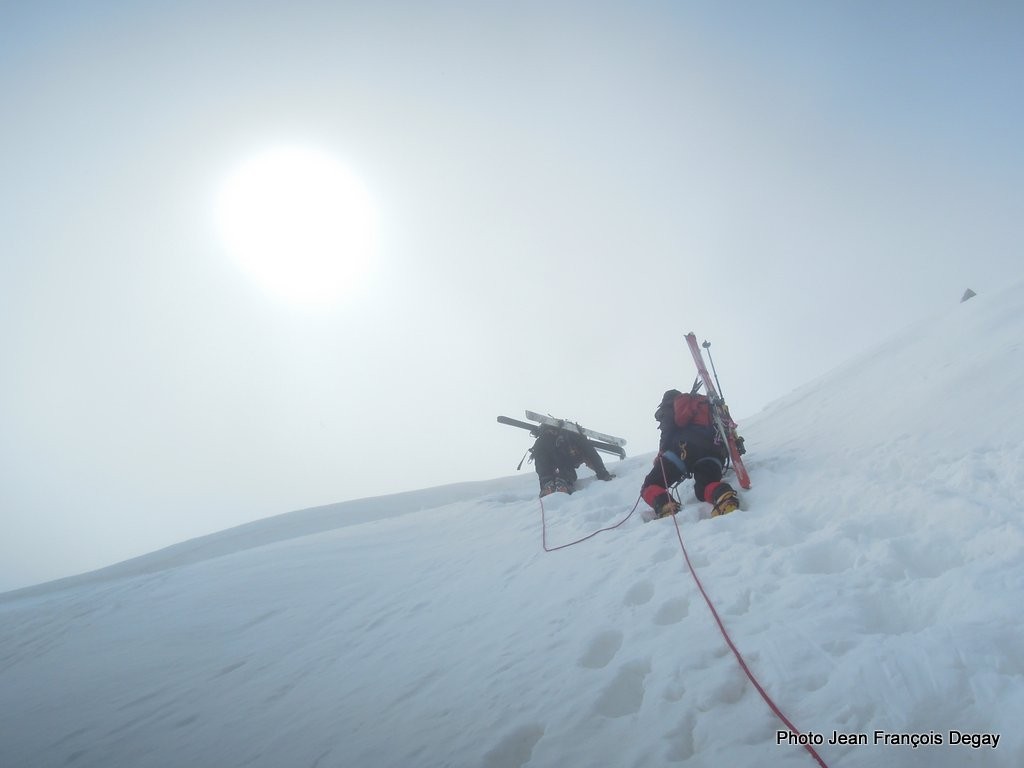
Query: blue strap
[{"x": 674, "y": 458}]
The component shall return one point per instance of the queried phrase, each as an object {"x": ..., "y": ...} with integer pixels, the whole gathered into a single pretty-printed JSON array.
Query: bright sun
[{"x": 299, "y": 222}]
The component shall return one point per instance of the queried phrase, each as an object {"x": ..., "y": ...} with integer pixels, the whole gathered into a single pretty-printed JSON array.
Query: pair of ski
[
  {"x": 599, "y": 440},
  {"x": 724, "y": 424}
]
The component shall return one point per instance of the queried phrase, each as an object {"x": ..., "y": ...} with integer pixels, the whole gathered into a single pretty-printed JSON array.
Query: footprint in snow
[
  {"x": 672, "y": 611},
  {"x": 681, "y": 740},
  {"x": 516, "y": 748},
  {"x": 601, "y": 650},
  {"x": 639, "y": 594},
  {"x": 625, "y": 693},
  {"x": 665, "y": 553}
]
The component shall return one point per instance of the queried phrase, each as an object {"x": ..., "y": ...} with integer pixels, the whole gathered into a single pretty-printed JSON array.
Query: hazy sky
[{"x": 561, "y": 191}]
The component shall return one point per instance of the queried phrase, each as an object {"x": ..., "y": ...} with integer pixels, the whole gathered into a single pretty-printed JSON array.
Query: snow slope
[{"x": 873, "y": 582}]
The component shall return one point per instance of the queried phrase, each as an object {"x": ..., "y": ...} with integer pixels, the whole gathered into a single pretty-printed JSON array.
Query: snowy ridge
[
  {"x": 290, "y": 525},
  {"x": 872, "y": 581}
]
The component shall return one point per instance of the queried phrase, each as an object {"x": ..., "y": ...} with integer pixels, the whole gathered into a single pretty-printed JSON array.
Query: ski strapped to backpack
[
  {"x": 724, "y": 424},
  {"x": 599, "y": 440}
]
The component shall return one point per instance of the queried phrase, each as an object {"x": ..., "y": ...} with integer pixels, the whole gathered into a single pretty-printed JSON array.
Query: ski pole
[{"x": 707, "y": 346}]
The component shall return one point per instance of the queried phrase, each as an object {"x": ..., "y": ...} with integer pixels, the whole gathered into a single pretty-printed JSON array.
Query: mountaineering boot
[
  {"x": 547, "y": 488},
  {"x": 667, "y": 508},
  {"x": 561, "y": 486},
  {"x": 723, "y": 500}
]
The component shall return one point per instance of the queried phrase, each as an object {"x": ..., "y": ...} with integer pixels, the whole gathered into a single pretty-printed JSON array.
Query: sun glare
[{"x": 299, "y": 222}]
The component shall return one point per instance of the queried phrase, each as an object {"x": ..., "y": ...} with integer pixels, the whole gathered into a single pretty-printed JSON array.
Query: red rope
[
  {"x": 544, "y": 528},
  {"x": 686, "y": 555},
  {"x": 738, "y": 655}
]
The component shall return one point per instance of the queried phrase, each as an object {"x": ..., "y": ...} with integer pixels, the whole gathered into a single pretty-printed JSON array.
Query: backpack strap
[{"x": 529, "y": 452}]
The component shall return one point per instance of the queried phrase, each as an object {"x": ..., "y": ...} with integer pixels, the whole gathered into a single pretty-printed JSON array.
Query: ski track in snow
[{"x": 872, "y": 581}]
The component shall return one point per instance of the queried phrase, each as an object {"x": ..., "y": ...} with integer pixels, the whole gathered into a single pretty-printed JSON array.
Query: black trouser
[
  {"x": 684, "y": 454},
  {"x": 550, "y": 461}
]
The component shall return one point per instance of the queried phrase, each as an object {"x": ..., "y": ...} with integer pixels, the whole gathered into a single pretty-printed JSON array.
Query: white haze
[{"x": 872, "y": 581}]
